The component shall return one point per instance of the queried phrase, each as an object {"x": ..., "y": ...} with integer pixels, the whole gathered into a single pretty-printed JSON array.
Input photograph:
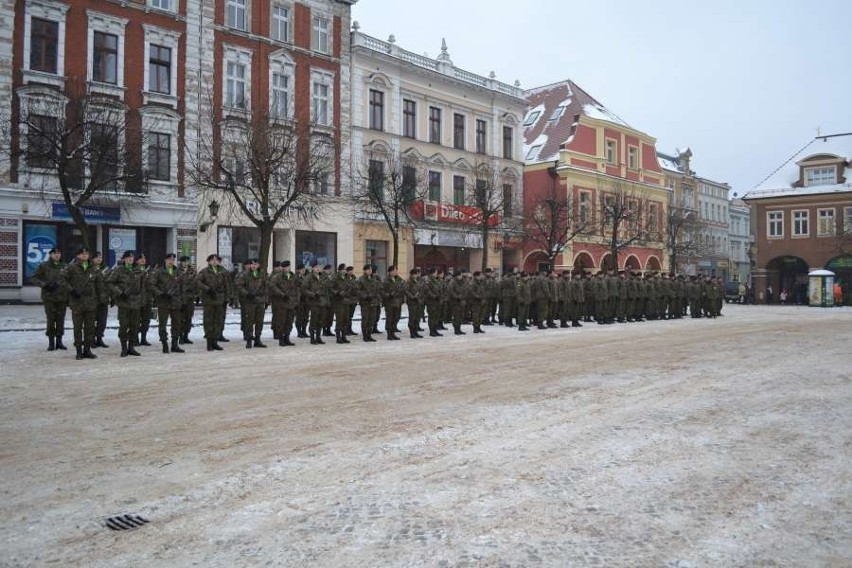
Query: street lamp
[{"x": 213, "y": 209}]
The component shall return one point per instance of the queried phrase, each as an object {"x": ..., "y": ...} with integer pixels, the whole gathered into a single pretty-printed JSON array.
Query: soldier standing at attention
[
  {"x": 577, "y": 298},
  {"x": 394, "y": 295},
  {"x": 213, "y": 283},
  {"x": 414, "y": 299},
  {"x": 523, "y": 296},
  {"x": 368, "y": 294},
  {"x": 188, "y": 296},
  {"x": 126, "y": 283},
  {"x": 377, "y": 316},
  {"x": 303, "y": 309},
  {"x": 167, "y": 289},
  {"x": 274, "y": 300},
  {"x": 84, "y": 284},
  {"x": 457, "y": 294},
  {"x": 146, "y": 308},
  {"x": 251, "y": 288},
  {"x": 352, "y": 298},
  {"x": 508, "y": 297},
  {"x": 492, "y": 287},
  {"x": 54, "y": 295},
  {"x": 340, "y": 295},
  {"x": 328, "y": 312},
  {"x": 284, "y": 290},
  {"x": 432, "y": 296},
  {"x": 555, "y": 298},
  {"x": 104, "y": 296},
  {"x": 314, "y": 292},
  {"x": 478, "y": 298}
]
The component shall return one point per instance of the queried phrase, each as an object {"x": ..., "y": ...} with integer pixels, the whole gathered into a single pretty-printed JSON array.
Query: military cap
[
  {"x": 487, "y": 271},
  {"x": 477, "y": 273},
  {"x": 247, "y": 261},
  {"x": 391, "y": 268},
  {"x": 127, "y": 254},
  {"x": 184, "y": 258},
  {"x": 413, "y": 271},
  {"x": 300, "y": 266},
  {"x": 141, "y": 254},
  {"x": 81, "y": 250},
  {"x": 97, "y": 254},
  {"x": 341, "y": 266},
  {"x": 368, "y": 267},
  {"x": 276, "y": 264},
  {"x": 432, "y": 270},
  {"x": 53, "y": 250},
  {"x": 170, "y": 255},
  {"x": 350, "y": 268},
  {"x": 211, "y": 257},
  {"x": 327, "y": 267},
  {"x": 285, "y": 263}
]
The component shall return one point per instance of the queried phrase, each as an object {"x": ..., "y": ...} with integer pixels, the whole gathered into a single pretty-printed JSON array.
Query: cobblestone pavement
[{"x": 677, "y": 444}]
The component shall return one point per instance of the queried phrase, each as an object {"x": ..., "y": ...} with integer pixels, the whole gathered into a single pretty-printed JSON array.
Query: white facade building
[{"x": 741, "y": 240}]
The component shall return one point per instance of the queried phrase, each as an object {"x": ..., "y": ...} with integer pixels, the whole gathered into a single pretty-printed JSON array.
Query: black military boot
[
  {"x": 144, "y": 340},
  {"x": 87, "y": 353},
  {"x": 281, "y": 341},
  {"x": 79, "y": 356},
  {"x": 523, "y": 327},
  {"x": 458, "y": 330},
  {"x": 60, "y": 345},
  {"x": 392, "y": 336},
  {"x": 186, "y": 339},
  {"x": 319, "y": 337},
  {"x": 575, "y": 323},
  {"x": 131, "y": 350},
  {"x": 51, "y": 344},
  {"x": 165, "y": 343},
  {"x": 343, "y": 338},
  {"x": 209, "y": 345},
  {"x": 415, "y": 335},
  {"x": 541, "y": 325},
  {"x": 216, "y": 346},
  {"x": 563, "y": 323},
  {"x": 176, "y": 347},
  {"x": 124, "y": 349},
  {"x": 223, "y": 339},
  {"x": 258, "y": 343},
  {"x": 100, "y": 342},
  {"x": 248, "y": 343},
  {"x": 327, "y": 332},
  {"x": 434, "y": 333}
]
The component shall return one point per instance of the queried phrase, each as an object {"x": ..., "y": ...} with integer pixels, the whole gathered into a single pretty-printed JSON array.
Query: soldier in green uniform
[
  {"x": 341, "y": 291},
  {"x": 492, "y": 288},
  {"x": 432, "y": 296},
  {"x": 166, "y": 286},
  {"x": 478, "y": 300},
  {"x": 303, "y": 309},
  {"x": 251, "y": 287},
  {"x": 621, "y": 300},
  {"x": 393, "y": 294},
  {"x": 523, "y": 296},
  {"x": 415, "y": 301},
  {"x": 104, "y": 300},
  {"x": 189, "y": 293},
  {"x": 85, "y": 288},
  {"x": 589, "y": 294},
  {"x": 377, "y": 315},
  {"x": 315, "y": 292},
  {"x": 213, "y": 285},
  {"x": 601, "y": 294},
  {"x": 286, "y": 289},
  {"x": 555, "y": 298},
  {"x": 127, "y": 284},
  {"x": 457, "y": 295},
  {"x": 54, "y": 296},
  {"x": 576, "y": 299},
  {"x": 508, "y": 296},
  {"x": 368, "y": 295},
  {"x": 146, "y": 309},
  {"x": 351, "y": 299}
]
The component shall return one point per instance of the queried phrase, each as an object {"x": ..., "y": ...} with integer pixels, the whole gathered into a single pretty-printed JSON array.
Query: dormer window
[
  {"x": 532, "y": 117},
  {"x": 825, "y": 175}
]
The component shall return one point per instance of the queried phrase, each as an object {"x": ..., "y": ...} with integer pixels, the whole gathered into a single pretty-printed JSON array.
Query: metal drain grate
[{"x": 125, "y": 522}]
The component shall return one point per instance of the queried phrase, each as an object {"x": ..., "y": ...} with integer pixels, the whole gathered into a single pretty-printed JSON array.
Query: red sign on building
[{"x": 447, "y": 213}]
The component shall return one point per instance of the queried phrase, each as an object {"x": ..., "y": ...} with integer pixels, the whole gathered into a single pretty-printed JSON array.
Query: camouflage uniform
[
  {"x": 368, "y": 294},
  {"x": 393, "y": 294},
  {"x": 252, "y": 290},
  {"x": 54, "y": 295},
  {"x": 127, "y": 285},
  {"x": 214, "y": 286},
  {"x": 85, "y": 286},
  {"x": 166, "y": 285}
]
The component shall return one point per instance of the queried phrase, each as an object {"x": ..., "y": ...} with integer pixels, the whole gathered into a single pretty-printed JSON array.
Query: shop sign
[
  {"x": 120, "y": 240},
  {"x": 92, "y": 213},
  {"x": 38, "y": 240},
  {"x": 447, "y": 213}
]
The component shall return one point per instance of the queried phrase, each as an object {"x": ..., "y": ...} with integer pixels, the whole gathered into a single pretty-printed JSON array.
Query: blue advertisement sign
[
  {"x": 92, "y": 213},
  {"x": 38, "y": 240}
]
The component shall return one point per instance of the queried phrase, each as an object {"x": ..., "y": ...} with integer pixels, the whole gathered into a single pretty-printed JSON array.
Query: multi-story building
[
  {"x": 802, "y": 219},
  {"x": 443, "y": 124},
  {"x": 595, "y": 159},
  {"x": 120, "y": 62},
  {"x": 163, "y": 73},
  {"x": 713, "y": 212},
  {"x": 741, "y": 239}
]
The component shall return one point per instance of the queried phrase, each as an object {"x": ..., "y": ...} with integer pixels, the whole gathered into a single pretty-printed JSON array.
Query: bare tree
[
  {"x": 684, "y": 234},
  {"x": 623, "y": 221},
  {"x": 388, "y": 189},
  {"x": 556, "y": 219},
  {"x": 82, "y": 147},
  {"x": 267, "y": 167},
  {"x": 488, "y": 198}
]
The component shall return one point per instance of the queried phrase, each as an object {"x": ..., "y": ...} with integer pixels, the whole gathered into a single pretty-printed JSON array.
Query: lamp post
[{"x": 213, "y": 211}]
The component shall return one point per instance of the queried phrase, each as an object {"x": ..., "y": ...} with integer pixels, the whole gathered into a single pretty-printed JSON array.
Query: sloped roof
[
  {"x": 557, "y": 106},
  {"x": 783, "y": 180}
]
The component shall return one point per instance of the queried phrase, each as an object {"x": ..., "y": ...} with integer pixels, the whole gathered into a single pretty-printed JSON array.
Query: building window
[
  {"x": 160, "y": 69},
  {"x": 847, "y": 220},
  {"x": 377, "y": 255},
  {"x": 652, "y": 218},
  {"x": 321, "y": 184},
  {"x": 458, "y": 131},
  {"x": 633, "y": 157},
  {"x": 532, "y": 117},
  {"x": 166, "y": 5},
  {"x": 409, "y": 118},
  {"x": 434, "y": 125},
  {"x": 481, "y": 134},
  {"x": 104, "y": 149},
  {"x": 236, "y": 15},
  {"x": 434, "y": 186},
  {"x": 585, "y": 207},
  {"x": 533, "y": 152},
  {"x": 610, "y": 152},
  {"x": 800, "y": 223},
  {"x": 321, "y": 37},
  {"x": 377, "y": 110},
  {"x": 409, "y": 184},
  {"x": 821, "y": 176},
  {"x": 159, "y": 156},
  {"x": 235, "y": 85},
  {"x": 41, "y": 141},
  {"x": 105, "y": 58},
  {"x": 44, "y": 41},
  {"x": 508, "y": 142},
  {"x": 775, "y": 226},
  {"x": 314, "y": 247},
  {"x": 320, "y": 104},
  {"x": 377, "y": 179},
  {"x": 280, "y": 23},
  {"x": 458, "y": 190},
  {"x": 280, "y": 95},
  {"x": 508, "y": 200}
]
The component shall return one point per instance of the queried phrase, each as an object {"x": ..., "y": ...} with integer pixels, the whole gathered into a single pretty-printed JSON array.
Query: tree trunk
[
  {"x": 485, "y": 232},
  {"x": 395, "y": 237},
  {"x": 82, "y": 226},
  {"x": 265, "y": 243}
]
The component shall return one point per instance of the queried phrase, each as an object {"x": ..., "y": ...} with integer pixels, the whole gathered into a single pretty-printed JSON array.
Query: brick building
[
  {"x": 802, "y": 219},
  {"x": 595, "y": 159}
]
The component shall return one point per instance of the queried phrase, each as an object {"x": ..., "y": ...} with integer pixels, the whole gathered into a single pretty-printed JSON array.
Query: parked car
[{"x": 732, "y": 292}]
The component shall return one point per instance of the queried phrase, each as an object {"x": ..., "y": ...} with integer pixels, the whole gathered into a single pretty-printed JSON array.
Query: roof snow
[
  {"x": 538, "y": 143},
  {"x": 600, "y": 112}
]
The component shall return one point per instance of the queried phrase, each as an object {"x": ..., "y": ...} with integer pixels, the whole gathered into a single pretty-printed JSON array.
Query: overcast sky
[{"x": 743, "y": 83}]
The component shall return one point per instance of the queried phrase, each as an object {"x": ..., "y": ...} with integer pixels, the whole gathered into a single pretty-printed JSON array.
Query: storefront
[{"x": 316, "y": 247}]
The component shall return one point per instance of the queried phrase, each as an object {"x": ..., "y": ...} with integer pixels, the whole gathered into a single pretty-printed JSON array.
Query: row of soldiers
[{"x": 315, "y": 299}]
